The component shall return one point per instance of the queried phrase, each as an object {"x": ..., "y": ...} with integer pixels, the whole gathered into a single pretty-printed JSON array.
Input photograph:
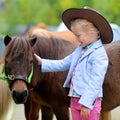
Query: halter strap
[
  {"x": 30, "y": 75},
  {"x": 13, "y": 77}
]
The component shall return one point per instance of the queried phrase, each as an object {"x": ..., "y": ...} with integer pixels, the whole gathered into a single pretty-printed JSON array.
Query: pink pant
[{"x": 76, "y": 107}]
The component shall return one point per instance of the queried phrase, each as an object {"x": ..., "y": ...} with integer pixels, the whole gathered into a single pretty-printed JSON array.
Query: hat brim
[{"x": 98, "y": 20}]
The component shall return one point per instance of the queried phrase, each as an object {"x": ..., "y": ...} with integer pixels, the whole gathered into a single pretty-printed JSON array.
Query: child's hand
[
  {"x": 38, "y": 59},
  {"x": 85, "y": 112}
]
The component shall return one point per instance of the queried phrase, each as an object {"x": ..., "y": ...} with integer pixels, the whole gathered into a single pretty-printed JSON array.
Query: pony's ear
[
  {"x": 33, "y": 40},
  {"x": 7, "y": 39}
]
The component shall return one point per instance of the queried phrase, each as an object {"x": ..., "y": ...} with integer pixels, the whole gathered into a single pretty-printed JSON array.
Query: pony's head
[{"x": 18, "y": 66}]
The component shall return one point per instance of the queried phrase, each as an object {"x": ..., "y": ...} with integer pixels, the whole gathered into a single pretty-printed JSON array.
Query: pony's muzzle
[{"x": 20, "y": 97}]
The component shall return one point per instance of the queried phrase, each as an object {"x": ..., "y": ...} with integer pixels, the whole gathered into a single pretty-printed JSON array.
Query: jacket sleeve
[{"x": 56, "y": 65}]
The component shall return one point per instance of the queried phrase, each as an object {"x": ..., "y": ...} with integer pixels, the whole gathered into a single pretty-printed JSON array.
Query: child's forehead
[{"x": 80, "y": 22}]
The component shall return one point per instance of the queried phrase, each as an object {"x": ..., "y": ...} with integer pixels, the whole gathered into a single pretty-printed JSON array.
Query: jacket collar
[{"x": 94, "y": 46}]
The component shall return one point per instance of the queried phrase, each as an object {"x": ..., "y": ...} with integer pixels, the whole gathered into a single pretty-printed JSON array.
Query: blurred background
[{"x": 17, "y": 16}]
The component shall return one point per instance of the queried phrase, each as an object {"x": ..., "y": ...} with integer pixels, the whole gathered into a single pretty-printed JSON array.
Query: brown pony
[
  {"x": 45, "y": 89},
  {"x": 66, "y": 35}
]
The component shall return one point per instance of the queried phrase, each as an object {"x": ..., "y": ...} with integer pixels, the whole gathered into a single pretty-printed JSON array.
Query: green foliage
[
  {"x": 25, "y": 12},
  {"x": 109, "y": 9}
]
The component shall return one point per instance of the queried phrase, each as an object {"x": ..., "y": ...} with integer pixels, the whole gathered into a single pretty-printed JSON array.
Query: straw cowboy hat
[{"x": 93, "y": 16}]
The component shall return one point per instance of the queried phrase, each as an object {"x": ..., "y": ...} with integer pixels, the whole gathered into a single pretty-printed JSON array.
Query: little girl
[{"x": 87, "y": 64}]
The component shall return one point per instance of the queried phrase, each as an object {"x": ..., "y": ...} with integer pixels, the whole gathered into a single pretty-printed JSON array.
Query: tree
[
  {"x": 109, "y": 9},
  {"x": 25, "y": 12}
]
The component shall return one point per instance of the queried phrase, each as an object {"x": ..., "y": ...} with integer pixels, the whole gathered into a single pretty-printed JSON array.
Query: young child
[{"x": 87, "y": 64}]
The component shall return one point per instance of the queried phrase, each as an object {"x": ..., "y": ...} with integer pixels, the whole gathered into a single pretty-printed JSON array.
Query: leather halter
[{"x": 12, "y": 78}]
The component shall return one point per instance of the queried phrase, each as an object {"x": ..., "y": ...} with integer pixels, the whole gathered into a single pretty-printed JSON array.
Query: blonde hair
[{"x": 85, "y": 25}]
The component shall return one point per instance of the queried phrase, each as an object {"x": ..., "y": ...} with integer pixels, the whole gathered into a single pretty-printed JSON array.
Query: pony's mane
[
  {"x": 45, "y": 47},
  {"x": 52, "y": 47},
  {"x": 17, "y": 46}
]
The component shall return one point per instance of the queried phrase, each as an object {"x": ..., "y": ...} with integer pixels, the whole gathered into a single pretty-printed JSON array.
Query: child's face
[
  {"x": 83, "y": 37},
  {"x": 85, "y": 34}
]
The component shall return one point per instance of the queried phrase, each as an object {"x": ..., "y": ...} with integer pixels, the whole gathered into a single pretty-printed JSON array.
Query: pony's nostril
[
  {"x": 25, "y": 93},
  {"x": 20, "y": 96},
  {"x": 15, "y": 94}
]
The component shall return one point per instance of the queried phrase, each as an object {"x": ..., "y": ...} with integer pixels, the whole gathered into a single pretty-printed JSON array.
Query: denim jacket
[{"x": 90, "y": 71}]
